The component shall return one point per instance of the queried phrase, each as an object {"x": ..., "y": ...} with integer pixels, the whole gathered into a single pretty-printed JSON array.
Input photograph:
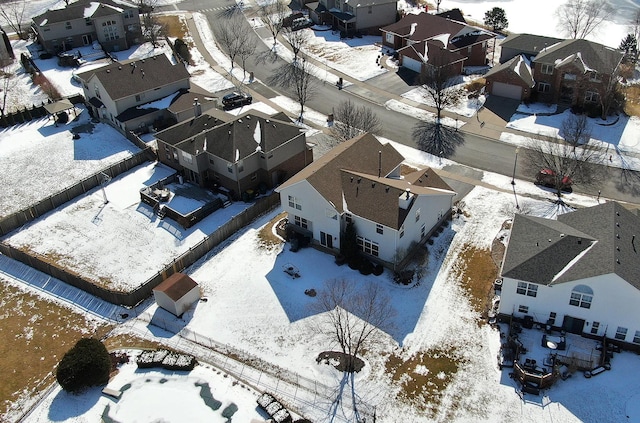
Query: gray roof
[
  {"x": 231, "y": 141},
  {"x": 529, "y": 43},
  {"x": 586, "y": 54},
  {"x": 518, "y": 65},
  {"x": 350, "y": 171},
  {"x": 127, "y": 78},
  {"x": 586, "y": 243},
  {"x": 76, "y": 10}
]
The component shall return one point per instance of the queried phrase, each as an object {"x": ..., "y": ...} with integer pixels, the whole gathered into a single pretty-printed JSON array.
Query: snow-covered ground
[{"x": 39, "y": 159}]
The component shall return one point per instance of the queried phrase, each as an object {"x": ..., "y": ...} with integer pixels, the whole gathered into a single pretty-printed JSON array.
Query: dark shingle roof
[
  {"x": 453, "y": 14},
  {"x": 77, "y": 11},
  {"x": 347, "y": 177},
  {"x": 431, "y": 52},
  {"x": 529, "y": 43},
  {"x": 127, "y": 78},
  {"x": 518, "y": 65},
  {"x": 586, "y": 243},
  {"x": 186, "y": 99},
  {"x": 587, "y": 54},
  {"x": 189, "y": 128}
]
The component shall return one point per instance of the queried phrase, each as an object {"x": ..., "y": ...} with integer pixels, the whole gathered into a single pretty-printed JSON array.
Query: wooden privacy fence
[
  {"x": 137, "y": 295},
  {"x": 19, "y": 218}
]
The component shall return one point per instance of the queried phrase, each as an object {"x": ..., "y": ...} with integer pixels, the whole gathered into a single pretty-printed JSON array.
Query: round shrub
[{"x": 86, "y": 364}]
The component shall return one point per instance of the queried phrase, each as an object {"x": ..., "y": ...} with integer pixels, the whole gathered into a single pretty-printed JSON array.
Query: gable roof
[
  {"x": 530, "y": 44},
  {"x": 176, "y": 286},
  {"x": 582, "y": 244},
  {"x": 186, "y": 99},
  {"x": 347, "y": 177},
  {"x": 232, "y": 141},
  {"x": 127, "y": 78},
  {"x": 366, "y": 3},
  {"x": 423, "y": 26},
  {"x": 518, "y": 66},
  {"x": 82, "y": 9},
  {"x": 431, "y": 52},
  {"x": 453, "y": 14},
  {"x": 585, "y": 54}
]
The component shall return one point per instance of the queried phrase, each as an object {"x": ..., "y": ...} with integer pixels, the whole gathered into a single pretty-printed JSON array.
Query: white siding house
[
  {"x": 579, "y": 273},
  {"x": 359, "y": 181},
  {"x": 177, "y": 293}
]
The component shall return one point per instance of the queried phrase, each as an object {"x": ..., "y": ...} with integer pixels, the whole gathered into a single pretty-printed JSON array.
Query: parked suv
[{"x": 235, "y": 99}]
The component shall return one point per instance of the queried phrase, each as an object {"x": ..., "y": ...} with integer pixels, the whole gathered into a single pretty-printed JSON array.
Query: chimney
[
  {"x": 197, "y": 107},
  {"x": 379, "y": 162}
]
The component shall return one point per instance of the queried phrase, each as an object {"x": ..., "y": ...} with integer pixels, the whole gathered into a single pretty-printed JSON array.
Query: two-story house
[
  {"x": 350, "y": 16},
  {"x": 251, "y": 151},
  {"x": 122, "y": 93},
  {"x": 116, "y": 26},
  {"x": 568, "y": 72},
  {"x": 578, "y": 273},
  {"x": 417, "y": 38},
  {"x": 360, "y": 181}
]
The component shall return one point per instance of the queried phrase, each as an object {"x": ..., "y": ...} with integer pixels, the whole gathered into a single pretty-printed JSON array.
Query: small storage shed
[{"x": 176, "y": 293}]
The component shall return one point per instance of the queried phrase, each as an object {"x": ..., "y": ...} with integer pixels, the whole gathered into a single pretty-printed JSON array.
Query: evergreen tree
[
  {"x": 86, "y": 364},
  {"x": 629, "y": 45},
  {"x": 496, "y": 18}
]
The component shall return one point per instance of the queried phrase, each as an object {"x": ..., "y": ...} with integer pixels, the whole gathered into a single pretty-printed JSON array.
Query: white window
[
  {"x": 401, "y": 231},
  {"x": 423, "y": 230},
  {"x": 546, "y": 69},
  {"x": 552, "y": 318},
  {"x": 301, "y": 221},
  {"x": 367, "y": 246},
  {"x": 128, "y": 14},
  {"x": 570, "y": 76},
  {"x": 417, "y": 215},
  {"x": 389, "y": 37},
  {"x": 636, "y": 337},
  {"x": 595, "y": 326},
  {"x": 595, "y": 77},
  {"x": 544, "y": 87},
  {"x": 348, "y": 218},
  {"x": 591, "y": 96},
  {"x": 67, "y": 25},
  {"x": 621, "y": 333},
  {"x": 187, "y": 157},
  {"x": 523, "y": 309},
  {"x": 379, "y": 228},
  {"x": 230, "y": 167},
  {"x": 528, "y": 289},
  {"x": 581, "y": 296},
  {"x": 295, "y": 203}
]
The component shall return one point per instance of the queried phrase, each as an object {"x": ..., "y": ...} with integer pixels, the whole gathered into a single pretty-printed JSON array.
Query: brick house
[
  {"x": 528, "y": 45},
  {"x": 459, "y": 39},
  {"x": 116, "y": 26},
  {"x": 249, "y": 152},
  {"x": 571, "y": 73}
]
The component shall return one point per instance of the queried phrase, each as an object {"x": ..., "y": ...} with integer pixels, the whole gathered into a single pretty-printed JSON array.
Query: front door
[
  {"x": 86, "y": 39},
  {"x": 573, "y": 325},
  {"x": 326, "y": 239}
]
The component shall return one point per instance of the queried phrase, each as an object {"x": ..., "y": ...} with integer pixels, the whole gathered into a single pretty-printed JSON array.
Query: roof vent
[
  {"x": 108, "y": 70},
  {"x": 561, "y": 235},
  {"x": 352, "y": 179},
  {"x": 373, "y": 184},
  {"x": 579, "y": 240},
  {"x": 119, "y": 67},
  {"x": 239, "y": 120},
  {"x": 386, "y": 189},
  {"x": 359, "y": 180}
]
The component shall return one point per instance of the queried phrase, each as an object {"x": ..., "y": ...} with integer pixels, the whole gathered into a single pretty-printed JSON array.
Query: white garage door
[
  {"x": 412, "y": 64},
  {"x": 507, "y": 90}
]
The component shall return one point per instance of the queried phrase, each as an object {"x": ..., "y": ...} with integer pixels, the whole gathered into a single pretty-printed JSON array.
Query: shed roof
[{"x": 176, "y": 286}]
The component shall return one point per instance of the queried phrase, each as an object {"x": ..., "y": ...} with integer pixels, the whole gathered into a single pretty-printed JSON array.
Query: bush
[
  {"x": 182, "y": 49},
  {"x": 86, "y": 364},
  {"x": 366, "y": 268}
]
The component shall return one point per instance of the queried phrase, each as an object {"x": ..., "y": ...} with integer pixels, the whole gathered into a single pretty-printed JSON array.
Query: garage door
[
  {"x": 507, "y": 90},
  {"x": 412, "y": 64}
]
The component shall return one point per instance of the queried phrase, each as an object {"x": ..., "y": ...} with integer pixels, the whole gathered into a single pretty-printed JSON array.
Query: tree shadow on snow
[{"x": 66, "y": 406}]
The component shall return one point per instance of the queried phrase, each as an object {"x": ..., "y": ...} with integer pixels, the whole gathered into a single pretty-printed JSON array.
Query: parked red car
[{"x": 547, "y": 177}]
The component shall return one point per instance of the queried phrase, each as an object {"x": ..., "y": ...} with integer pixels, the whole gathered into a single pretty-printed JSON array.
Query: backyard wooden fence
[
  {"x": 19, "y": 218},
  {"x": 139, "y": 294}
]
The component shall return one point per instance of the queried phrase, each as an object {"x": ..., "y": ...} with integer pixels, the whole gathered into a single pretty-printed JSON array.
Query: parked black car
[{"x": 235, "y": 99}]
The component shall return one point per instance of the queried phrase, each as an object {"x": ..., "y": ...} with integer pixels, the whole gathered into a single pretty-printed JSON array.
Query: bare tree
[
  {"x": 273, "y": 15},
  {"x": 352, "y": 316},
  {"x": 634, "y": 30},
  {"x": 440, "y": 85},
  {"x": 565, "y": 161},
  {"x": 351, "y": 121},
  {"x": 235, "y": 37},
  {"x": 153, "y": 28},
  {"x": 297, "y": 40},
  {"x": 7, "y": 82},
  {"x": 610, "y": 96},
  {"x": 436, "y": 138},
  {"x": 575, "y": 130},
  {"x": 298, "y": 78},
  {"x": 579, "y": 18},
  {"x": 13, "y": 15}
]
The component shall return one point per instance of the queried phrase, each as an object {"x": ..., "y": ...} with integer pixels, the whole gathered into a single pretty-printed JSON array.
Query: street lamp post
[{"x": 515, "y": 163}]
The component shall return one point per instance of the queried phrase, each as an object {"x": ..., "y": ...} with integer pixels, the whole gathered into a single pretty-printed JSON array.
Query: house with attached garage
[
  {"x": 114, "y": 24},
  {"x": 427, "y": 33},
  {"x": 512, "y": 79},
  {"x": 249, "y": 153},
  {"x": 351, "y": 16},
  {"x": 571, "y": 73},
  {"x": 578, "y": 273},
  {"x": 132, "y": 95},
  {"x": 360, "y": 182}
]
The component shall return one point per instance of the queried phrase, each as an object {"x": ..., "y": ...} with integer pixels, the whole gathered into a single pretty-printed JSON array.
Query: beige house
[
  {"x": 176, "y": 293},
  {"x": 351, "y": 16},
  {"x": 132, "y": 95},
  {"x": 252, "y": 152},
  {"x": 116, "y": 26}
]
